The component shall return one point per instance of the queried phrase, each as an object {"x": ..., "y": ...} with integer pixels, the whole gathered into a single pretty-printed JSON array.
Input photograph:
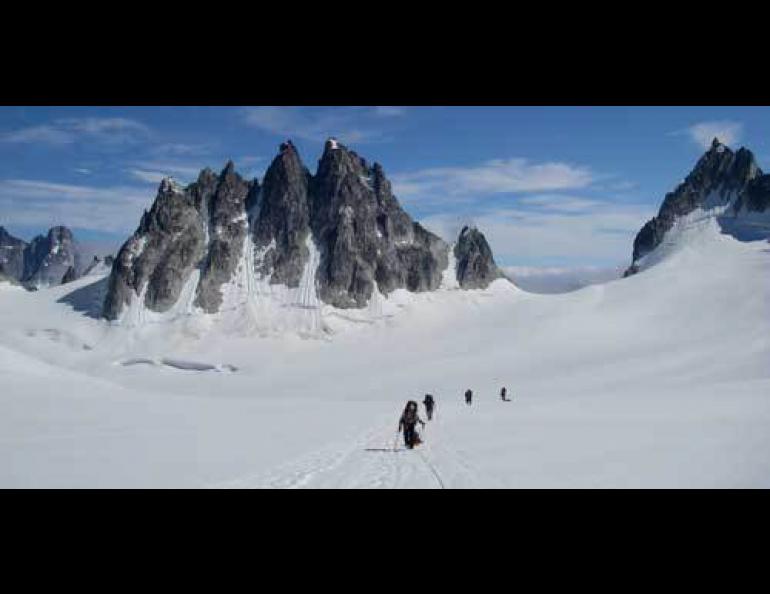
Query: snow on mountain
[
  {"x": 656, "y": 380},
  {"x": 337, "y": 240},
  {"x": 728, "y": 186},
  {"x": 47, "y": 260}
]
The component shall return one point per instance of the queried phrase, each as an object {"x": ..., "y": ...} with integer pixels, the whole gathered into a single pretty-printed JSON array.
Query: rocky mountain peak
[
  {"x": 344, "y": 221},
  {"x": 721, "y": 182},
  {"x": 282, "y": 224},
  {"x": 476, "y": 267},
  {"x": 12, "y": 255},
  {"x": 48, "y": 258},
  {"x": 229, "y": 169}
]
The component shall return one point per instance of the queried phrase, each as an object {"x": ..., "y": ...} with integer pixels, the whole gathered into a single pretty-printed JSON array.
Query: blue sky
[{"x": 550, "y": 186}]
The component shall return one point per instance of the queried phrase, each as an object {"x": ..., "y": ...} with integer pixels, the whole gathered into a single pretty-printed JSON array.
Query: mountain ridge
[
  {"x": 345, "y": 215},
  {"x": 728, "y": 183}
]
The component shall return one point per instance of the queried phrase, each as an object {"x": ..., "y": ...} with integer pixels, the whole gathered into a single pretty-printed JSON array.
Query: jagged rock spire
[
  {"x": 476, "y": 267},
  {"x": 346, "y": 214},
  {"x": 720, "y": 179}
]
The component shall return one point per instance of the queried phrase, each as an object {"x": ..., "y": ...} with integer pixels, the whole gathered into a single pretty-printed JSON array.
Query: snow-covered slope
[{"x": 657, "y": 380}]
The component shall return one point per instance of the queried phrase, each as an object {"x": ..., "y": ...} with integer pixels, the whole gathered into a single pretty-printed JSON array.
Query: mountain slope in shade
[{"x": 11, "y": 255}]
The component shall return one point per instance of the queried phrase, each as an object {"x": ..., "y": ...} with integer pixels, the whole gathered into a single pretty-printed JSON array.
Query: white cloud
[
  {"x": 155, "y": 171},
  {"x": 69, "y": 130},
  {"x": 385, "y": 111},
  {"x": 38, "y": 134},
  {"x": 180, "y": 149},
  {"x": 560, "y": 279},
  {"x": 493, "y": 177},
  {"x": 561, "y": 203},
  {"x": 83, "y": 171},
  {"x": 294, "y": 122},
  {"x": 703, "y": 133},
  {"x": 603, "y": 235},
  {"x": 115, "y": 209},
  {"x": 151, "y": 177}
]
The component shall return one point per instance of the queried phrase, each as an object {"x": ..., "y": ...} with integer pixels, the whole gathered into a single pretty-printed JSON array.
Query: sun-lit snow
[{"x": 657, "y": 380}]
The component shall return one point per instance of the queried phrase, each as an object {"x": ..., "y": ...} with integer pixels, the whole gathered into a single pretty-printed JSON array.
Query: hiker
[
  {"x": 429, "y": 404},
  {"x": 504, "y": 394},
  {"x": 468, "y": 396},
  {"x": 408, "y": 420}
]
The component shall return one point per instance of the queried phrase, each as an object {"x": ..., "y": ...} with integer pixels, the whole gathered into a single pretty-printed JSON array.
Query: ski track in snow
[
  {"x": 376, "y": 459},
  {"x": 658, "y": 380}
]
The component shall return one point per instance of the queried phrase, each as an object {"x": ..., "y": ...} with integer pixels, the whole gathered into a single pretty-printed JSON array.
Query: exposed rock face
[
  {"x": 69, "y": 276},
  {"x": 11, "y": 255},
  {"x": 48, "y": 258},
  {"x": 721, "y": 178},
  {"x": 346, "y": 214},
  {"x": 43, "y": 262},
  {"x": 98, "y": 265},
  {"x": 159, "y": 258},
  {"x": 476, "y": 267},
  {"x": 756, "y": 198},
  {"x": 225, "y": 199},
  {"x": 282, "y": 222},
  {"x": 364, "y": 235}
]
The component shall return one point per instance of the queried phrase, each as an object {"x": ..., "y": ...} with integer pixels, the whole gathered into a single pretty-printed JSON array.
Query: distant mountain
[
  {"x": 342, "y": 227},
  {"x": 11, "y": 255},
  {"x": 724, "y": 184},
  {"x": 560, "y": 280},
  {"x": 45, "y": 261}
]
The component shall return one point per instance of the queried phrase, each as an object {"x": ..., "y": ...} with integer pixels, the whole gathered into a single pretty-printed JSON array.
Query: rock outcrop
[
  {"x": 282, "y": 219},
  {"x": 156, "y": 262},
  {"x": 48, "y": 258},
  {"x": 12, "y": 251},
  {"x": 43, "y": 262},
  {"x": 730, "y": 183},
  {"x": 476, "y": 268},
  {"x": 366, "y": 238},
  {"x": 223, "y": 202},
  {"x": 344, "y": 221}
]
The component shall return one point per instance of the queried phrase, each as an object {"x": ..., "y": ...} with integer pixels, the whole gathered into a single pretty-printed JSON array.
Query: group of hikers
[{"x": 410, "y": 417}]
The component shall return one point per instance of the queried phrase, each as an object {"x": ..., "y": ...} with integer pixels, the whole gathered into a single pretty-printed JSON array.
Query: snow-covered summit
[{"x": 724, "y": 184}]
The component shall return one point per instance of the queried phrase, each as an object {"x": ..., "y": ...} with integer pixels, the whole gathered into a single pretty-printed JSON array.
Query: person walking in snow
[
  {"x": 468, "y": 396},
  {"x": 408, "y": 421},
  {"x": 504, "y": 394},
  {"x": 429, "y": 404}
]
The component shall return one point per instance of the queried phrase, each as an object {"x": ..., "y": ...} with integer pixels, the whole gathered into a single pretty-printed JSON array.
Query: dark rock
[
  {"x": 48, "y": 258},
  {"x": 282, "y": 221},
  {"x": 69, "y": 276},
  {"x": 347, "y": 212},
  {"x": 227, "y": 229},
  {"x": 162, "y": 253},
  {"x": 11, "y": 255},
  {"x": 476, "y": 267},
  {"x": 757, "y": 196},
  {"x": 364, "y": 236},
  {"x": 721, "y": 177}
]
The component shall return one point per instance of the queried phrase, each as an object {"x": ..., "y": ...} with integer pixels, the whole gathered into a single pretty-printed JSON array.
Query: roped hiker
[
  {"x": 429, "y": 404},
  {"x": 408, "y": 421},
  {"x": 468, "y": 396},
  {"x": 504, "y": 395}
]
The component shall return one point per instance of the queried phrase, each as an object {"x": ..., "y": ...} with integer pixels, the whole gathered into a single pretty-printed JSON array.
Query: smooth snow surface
[{"x": 657, "y": 380}]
